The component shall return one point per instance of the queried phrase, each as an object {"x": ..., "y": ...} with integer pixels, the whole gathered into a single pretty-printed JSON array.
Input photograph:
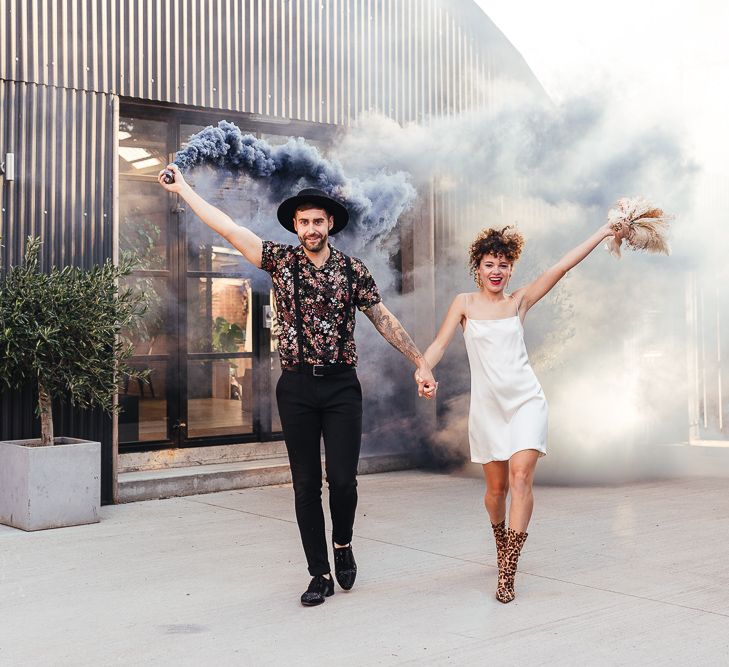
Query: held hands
[{"x": 427, "y": 386}]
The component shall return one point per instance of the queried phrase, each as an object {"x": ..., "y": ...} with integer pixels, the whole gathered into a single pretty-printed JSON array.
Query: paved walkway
[{"x": 632, "y": 575}]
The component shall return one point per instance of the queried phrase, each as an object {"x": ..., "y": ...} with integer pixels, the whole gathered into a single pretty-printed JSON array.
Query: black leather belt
[{"x": 319, "y": 370}]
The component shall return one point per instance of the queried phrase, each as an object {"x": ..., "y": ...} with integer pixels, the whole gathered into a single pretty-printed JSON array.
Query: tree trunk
[{"x": 46, "y": 415}]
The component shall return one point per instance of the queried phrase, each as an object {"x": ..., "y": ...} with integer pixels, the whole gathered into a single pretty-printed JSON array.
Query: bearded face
[{"x": 312, "y": 226}]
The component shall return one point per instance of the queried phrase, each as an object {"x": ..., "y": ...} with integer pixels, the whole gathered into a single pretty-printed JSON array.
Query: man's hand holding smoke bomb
[{"x": 177, "y": 184}]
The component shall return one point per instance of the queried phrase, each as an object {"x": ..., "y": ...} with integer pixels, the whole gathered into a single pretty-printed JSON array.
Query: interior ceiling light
[
  {"x": 129, "y": 153},
  {"x": 143, "y": 164}
]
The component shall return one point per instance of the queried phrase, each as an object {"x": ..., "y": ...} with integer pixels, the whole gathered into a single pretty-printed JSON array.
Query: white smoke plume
[{"x": 609, "y": 344}]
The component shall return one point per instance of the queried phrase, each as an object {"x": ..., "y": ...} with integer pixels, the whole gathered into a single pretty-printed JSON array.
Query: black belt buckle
[{"x": 313, "y": 370}]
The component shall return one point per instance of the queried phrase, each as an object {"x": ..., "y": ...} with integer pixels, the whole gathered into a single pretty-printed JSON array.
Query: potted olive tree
[{"x": 60, "y": 331}]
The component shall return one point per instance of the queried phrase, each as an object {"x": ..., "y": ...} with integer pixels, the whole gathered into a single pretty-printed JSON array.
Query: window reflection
[
  {"x": 144, "y": 404},
  {"x": 220, "y": 397},
  {"x": 143, "y": 215},
  {"x": 149, "y": 333},
  {"x": 142, "y": 146},
  {"x": 219, "y": 315}
]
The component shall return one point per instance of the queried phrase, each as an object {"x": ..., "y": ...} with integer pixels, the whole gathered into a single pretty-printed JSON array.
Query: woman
[{"x": 507, "y": 425}]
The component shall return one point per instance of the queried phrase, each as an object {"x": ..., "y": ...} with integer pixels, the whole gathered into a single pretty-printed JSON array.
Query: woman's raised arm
[{"x": 530, "y": 294}]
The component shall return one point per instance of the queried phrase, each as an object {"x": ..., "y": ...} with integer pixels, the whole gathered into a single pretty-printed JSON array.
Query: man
[{"x": 316, "y": 289}]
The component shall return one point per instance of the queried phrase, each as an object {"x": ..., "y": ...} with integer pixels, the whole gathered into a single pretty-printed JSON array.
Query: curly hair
[{"x": 507, "y": 242}]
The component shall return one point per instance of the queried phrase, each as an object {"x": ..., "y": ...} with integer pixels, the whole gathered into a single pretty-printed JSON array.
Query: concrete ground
[{"x": 630, "y": 575}]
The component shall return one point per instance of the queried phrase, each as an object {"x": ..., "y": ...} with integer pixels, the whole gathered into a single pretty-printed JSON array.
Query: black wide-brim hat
[{"x": 287, "y": 210}]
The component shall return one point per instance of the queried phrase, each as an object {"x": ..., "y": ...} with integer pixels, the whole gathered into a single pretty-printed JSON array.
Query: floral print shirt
[{"x": 323, "y": 296}]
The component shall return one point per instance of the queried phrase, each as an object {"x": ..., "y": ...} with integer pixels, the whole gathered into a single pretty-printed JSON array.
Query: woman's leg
[
  {"x": 521, "y": 478},
  {"x": 497, "y": 486}
]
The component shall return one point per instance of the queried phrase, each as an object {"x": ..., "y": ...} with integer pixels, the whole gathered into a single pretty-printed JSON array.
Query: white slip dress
[{"x": 508, "y": 410}]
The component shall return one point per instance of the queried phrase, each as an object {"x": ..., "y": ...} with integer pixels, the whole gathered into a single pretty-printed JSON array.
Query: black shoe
[
  {"x": 319, "y": 588},
  {"x": 345, "y": 568}
]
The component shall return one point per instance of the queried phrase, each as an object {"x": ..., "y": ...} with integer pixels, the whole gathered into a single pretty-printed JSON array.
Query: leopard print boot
[
  {"x": 500, "y": 537},
  {"x": 514, "y": 543}
]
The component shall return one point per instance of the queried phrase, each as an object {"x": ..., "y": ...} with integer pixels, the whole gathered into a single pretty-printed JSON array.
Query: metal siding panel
[
  {"x": 225, "y": 27},
  {"x": 193, "y": 75},
  {"x": 280, "y": 65},
  {"x": 296, "y": 58},
  {"x": 31, "y": 120},
  {"x": 349, "y": 51},
  {"x": 250, "y": 7},
  {"x": 306, "y": 86},
  {"x": 319, "y": 39},
  {"x": 266, "y": 29},
  {"x": 330, "y": 77},
  {"x": 4, "y": 30}
]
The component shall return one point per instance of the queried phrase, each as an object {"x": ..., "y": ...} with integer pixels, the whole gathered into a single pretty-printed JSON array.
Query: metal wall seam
[
  {"x": 306, "y": 56},
  {"x": 191, "y": 74},
  {"x": 333, "y": 115},
  {"x": 84, "y": 67},
  {"x": 275, "y": 51},
  {"x": 326, "y": 75},
  {"x": 289, "y": 107},
  {"x": 356, "y": 76},
  {"x": 266, "y": 30},
  {"x": 5, "y": 47},
  {"x": 367, "y": 27},
  {"x": 317, "y": 49},
  {"x": 236, "y": 55},
  {"x": 216, "y": 71},
  {"x": 258, "y": 108},
  {"x": 388, "y": 29}
]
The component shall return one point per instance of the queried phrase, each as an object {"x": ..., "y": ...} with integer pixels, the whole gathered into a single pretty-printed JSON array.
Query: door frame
[{"x": 177, "y": 377}]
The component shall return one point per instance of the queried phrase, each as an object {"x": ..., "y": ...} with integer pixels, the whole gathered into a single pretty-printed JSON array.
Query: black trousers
[{"x": 311, "y": 407}]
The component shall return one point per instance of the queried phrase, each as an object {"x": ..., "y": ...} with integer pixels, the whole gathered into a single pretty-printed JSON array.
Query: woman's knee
[
  {"x": 497, "y": 491},
  {"x": 520, "y": 480}
]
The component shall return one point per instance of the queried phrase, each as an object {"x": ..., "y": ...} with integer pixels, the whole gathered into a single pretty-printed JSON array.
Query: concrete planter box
[{"x": 49, "y": 487}]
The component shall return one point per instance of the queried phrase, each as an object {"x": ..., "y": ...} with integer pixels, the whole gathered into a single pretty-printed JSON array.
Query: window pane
[
  {"x": 144, "y": 405},
  {"x": 142, "y": 146},
  {"x": 219, "y": 317},
  {"x": 220, "y": 397},
  {"x": 149, "y": 334},
  {"x": 143, "y": 218},
  {"x": 208, "y": 251}
]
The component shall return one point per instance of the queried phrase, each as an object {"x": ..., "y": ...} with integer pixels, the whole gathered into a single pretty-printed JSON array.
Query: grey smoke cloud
[{"x": 375, "y": 202}]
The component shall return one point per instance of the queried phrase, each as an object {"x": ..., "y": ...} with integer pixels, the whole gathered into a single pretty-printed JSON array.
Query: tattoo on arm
[{"x": 393, "y": 332}]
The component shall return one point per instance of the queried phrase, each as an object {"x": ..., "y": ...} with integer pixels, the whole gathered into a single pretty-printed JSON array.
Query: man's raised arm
[{"x": 242, "y": 239}]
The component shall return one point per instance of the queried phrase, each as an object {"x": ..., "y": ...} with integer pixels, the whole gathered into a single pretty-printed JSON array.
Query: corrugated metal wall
[
  {"x": 63, "y": 142},
  {"x": 301, "y": 59}
]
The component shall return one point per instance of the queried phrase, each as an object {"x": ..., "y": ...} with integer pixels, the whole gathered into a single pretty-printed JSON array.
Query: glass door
[
  {"x": 206, "y": 336},
  {"x": 149, "y": 409}
]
